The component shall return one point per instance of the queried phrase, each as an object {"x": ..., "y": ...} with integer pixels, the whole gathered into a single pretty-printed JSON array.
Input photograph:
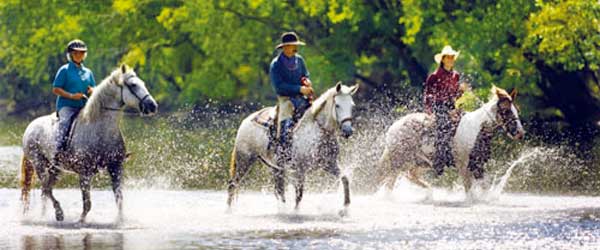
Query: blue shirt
[
  {"x": 285, "y": 74},
  {"x": 73, "y": 79}
]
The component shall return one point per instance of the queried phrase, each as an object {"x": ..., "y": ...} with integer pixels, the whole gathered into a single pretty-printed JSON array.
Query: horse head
[
  {"x": 343, "y": 105},
  {"x": 507, "y": 114},
  {"x": 134, "y": 93}
]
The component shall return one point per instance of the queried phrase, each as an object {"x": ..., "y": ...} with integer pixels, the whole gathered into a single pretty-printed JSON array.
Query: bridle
[
  {"x": 122, "y": 101},
  {"x": 322, "y": 127},
  {"x": 503, "y": 122}
]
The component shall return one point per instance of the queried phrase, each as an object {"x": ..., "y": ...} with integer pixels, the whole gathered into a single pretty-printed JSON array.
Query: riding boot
[{"x": 283, "y": 152}]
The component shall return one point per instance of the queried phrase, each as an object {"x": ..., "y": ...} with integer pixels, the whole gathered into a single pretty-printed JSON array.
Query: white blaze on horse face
[{"x": 516, "y": 113}]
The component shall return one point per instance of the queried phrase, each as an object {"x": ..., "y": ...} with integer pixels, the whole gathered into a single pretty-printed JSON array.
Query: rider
[
  {"x": 289, "y": 78},
  {"x": 71, "y": 84},
  {"x": 441, "y": 90}
]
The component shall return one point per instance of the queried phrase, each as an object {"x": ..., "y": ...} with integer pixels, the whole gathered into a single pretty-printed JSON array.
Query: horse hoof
[
  {"x": 344, "y": 212},
  {"x": 59, "y": 215}
]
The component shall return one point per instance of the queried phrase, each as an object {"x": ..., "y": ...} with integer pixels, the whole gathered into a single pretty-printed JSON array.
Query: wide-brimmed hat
[
  {"x": 446, "y": 51},
  {"x": 289, "y": 38}
]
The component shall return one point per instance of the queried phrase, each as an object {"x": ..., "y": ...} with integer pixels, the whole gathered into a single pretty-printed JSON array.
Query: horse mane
[
  {"x": 320, "y": 103},
  {"x": 497, "y": 93},
  {"x": 93, "y": 107}
]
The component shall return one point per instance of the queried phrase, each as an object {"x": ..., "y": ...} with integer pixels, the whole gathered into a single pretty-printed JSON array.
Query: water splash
[{"x": 496, "y": 189}]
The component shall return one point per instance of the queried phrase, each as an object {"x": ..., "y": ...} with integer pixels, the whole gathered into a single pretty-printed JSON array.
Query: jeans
[
  {"x": 66, "y": 116},
  {"x": 443, "y": 136}
]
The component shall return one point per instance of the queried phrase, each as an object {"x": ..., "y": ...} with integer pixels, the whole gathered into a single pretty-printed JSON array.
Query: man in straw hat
[
  {"x": 289, "y": 78},
  {"x": 440, "y": 93}
]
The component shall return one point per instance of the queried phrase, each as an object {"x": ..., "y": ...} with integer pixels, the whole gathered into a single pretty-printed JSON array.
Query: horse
[
  {"x": 314, "y": 144},
  {"x": 409, "y": 142},
  {"x": 96, "y": 142}
]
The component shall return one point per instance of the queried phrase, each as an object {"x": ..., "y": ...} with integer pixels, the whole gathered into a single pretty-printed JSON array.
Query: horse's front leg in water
[
  {"x": 279, "y": 180},
  {"x": 85, "y": 180},
  {"x": 334, "y": 170},
  {"x": 299, "y": 187},
  {"x": 116, "y": 172}
]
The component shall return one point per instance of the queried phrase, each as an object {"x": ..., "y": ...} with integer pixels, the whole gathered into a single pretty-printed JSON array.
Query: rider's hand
[
  {"x": 306, "y": 82},
  {"x": 78, "y": 96},
  {"x": 90, "y": 90},
  {"x": 462, "y": 88},
  {"x": 306, "y": 90}
]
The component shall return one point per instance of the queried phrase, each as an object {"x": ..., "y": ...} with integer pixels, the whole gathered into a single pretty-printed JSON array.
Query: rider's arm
[
  {"x": 58, "y": 84},
  {"x": 90, "y": 88}
]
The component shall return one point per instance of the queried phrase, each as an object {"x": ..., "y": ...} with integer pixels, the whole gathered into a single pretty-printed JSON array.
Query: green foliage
[
  {"x": 191, "y": 51},
  {"x": 565, "y": 34}
]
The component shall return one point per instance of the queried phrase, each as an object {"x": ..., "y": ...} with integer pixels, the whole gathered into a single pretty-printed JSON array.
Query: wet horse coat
[
  {"x": 314, "y": 144},
  {"x": 409, "y": 141},
  {"x": 95, "y": 144}
]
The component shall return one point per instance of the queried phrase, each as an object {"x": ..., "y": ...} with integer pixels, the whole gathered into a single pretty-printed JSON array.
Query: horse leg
[
  {"x": 116, "y": 172},
  {"x": 85, "y": 184},
  {"x": 414, "y": 175},
  {"x": 279, "y": 180},
  {"x": 240, "y": 165},
  {"x": 389, "y": 172},
  {"x": 49, "y": 179},
  {"x": 299, "y": 185},
  {"x": 334, "y": 170}
]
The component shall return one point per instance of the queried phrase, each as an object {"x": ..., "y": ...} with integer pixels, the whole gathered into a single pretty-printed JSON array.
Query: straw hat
[
  {"x": 289, "y": 38},
  {"x": 446, "y": 51}
]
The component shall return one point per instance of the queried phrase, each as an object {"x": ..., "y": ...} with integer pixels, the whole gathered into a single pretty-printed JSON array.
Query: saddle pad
[{"x": 265, "y": 117}]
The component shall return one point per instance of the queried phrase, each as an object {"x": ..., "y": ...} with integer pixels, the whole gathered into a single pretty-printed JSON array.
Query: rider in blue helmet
[{"x": 72, "y": 84}]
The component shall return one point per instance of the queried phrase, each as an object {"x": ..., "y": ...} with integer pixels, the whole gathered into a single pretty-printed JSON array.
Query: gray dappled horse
[
  {"x": 409, "y": 141},
  {"x": 314, "y": 143},
  {"x": 95, "y": 144}
]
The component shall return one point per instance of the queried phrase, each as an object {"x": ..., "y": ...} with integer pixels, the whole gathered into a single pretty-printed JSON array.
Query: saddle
[{"x": 267, "y": 118}]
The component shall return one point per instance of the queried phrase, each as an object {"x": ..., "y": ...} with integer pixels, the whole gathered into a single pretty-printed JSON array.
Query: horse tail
[
  {"x": 27, "y": 173},
  {"x": 232, "y": 165}
]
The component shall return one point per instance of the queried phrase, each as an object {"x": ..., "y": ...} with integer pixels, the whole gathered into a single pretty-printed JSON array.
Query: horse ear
[
  {"x": 513, "y": 94},
  {"x": 123, "y": 68},
  {"x": 354, "y": 89},
  {"x": 497, "y": 91},
  {"x": 338, "y": 86}
]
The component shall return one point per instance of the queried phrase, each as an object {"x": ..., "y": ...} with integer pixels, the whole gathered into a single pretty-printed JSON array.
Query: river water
[{"x": 198, "y": 219}]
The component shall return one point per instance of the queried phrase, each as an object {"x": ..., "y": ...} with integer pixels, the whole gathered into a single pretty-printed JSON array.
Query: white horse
[
  {"x": 96, "y": 142},
  {"x": 409, "y": 141},
  {"x": 314, "y": 143}
]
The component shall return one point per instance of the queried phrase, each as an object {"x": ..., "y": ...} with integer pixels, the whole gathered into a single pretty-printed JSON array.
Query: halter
[
  {"x": 122, "y": 101},
  {"x": 341, "y": 122},
  {"x": 498, "y": 118}
]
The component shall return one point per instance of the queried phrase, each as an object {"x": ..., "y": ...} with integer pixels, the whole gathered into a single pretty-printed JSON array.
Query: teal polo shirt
[{"x": 73, "y": 79}]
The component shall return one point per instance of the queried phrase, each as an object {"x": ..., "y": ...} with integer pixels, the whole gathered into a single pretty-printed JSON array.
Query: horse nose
[
  {"x": 520, "y": 135},
  {"x": 347, "y": 130},
  {"x": 150, "y": 106}
]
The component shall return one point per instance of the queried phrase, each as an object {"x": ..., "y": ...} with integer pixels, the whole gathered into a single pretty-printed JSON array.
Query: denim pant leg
[
  {"x": 66, "y": 115},
  {"x": 443, "y": 140}
]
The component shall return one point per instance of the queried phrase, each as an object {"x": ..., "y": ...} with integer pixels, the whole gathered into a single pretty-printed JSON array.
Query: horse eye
[{"x": 337, "y": 106}]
